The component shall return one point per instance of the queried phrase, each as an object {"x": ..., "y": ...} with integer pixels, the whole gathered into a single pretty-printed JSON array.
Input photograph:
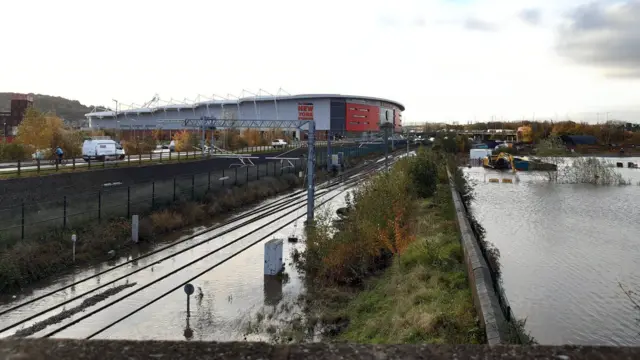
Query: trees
[
  {"x": 39, "y": 131},
  {"x": 184, "y": 140}
]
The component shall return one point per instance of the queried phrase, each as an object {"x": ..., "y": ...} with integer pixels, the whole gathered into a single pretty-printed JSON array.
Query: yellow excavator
[{"x": 501, "y": 161}]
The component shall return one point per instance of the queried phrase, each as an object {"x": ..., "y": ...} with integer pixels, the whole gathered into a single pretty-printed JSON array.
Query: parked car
[
  {"x": 101, "y": 150},
  {"x": 278, "y": 143}
]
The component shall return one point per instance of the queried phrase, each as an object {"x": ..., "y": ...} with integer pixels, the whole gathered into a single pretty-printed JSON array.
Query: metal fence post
[
  {"x": 160, "y": 156},
  {"x": 73, "y": 162},
  {"x": 22, "y": 221},
  {"x": 19, "y": 166},
  {"x": 38, "y": 163},
  {"x": 193, "y": 187},
  {"x": 64, "y": 217},
  {"x": 99, "y": 205},
  {"x": 128, "y": 202},
  {"x": 174, "y": 189}
]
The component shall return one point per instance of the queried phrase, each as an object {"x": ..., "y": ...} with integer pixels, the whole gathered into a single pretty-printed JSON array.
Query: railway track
[{"x": 144, "y": 280}]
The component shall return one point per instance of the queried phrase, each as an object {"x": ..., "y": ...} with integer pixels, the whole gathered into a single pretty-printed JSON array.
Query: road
[{"x": 156, "y": 155}]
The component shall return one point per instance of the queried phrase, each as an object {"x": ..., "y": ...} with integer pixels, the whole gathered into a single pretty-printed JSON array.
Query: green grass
[{"x": 424, "y": 296}]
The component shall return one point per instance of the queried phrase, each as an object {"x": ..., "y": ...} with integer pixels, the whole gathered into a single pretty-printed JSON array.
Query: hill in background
[{"x": 72, "y": 111}]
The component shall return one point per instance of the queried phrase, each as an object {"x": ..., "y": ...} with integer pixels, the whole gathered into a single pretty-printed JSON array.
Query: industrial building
[
  {"x": 9, "y": 120},
  {"x": 332, "y": 113}
]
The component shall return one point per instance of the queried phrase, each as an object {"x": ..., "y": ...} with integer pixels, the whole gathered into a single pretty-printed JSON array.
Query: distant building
[
  {"x": 10, "y": 120},
  {"x": 332, "y": 113}
]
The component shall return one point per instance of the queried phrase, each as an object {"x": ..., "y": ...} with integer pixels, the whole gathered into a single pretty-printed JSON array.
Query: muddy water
[
  {"x": 225, "y": 297},
  {"x": 564, "y": 249}
]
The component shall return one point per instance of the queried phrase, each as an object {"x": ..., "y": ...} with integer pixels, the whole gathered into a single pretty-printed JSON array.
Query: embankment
[
  {"x": 392, "y": 271},
  {"x": 483, "y": 268},
  {"x": 36, "y": 258},
  {"x": 35, "y": 205}
]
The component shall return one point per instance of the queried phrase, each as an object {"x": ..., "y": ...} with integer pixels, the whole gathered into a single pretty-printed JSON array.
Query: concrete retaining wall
[
  {"x": 53, "y": 349},
  {"x": 485, "y": 297}
]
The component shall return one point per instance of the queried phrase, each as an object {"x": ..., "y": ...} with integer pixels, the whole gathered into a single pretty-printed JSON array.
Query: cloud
[
  {"x": 479, "y": 25},
  {"x": 531, "y": 16},
  {"x": 604, "y": 37}
]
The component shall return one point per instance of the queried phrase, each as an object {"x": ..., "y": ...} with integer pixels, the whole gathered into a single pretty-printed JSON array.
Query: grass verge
[
  {"x": 423, "y": 297},
  {"x": 391, "y": 271}
]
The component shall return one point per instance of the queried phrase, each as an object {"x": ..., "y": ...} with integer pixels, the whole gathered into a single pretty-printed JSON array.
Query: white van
[
  {"x": 120, "y": 151},
  {"x": 101, "y": 150}
]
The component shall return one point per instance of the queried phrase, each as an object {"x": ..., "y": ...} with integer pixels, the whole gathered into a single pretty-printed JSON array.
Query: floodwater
[
  {"x": 226, "y": 297},
  {"x": 564, "y": 251}
]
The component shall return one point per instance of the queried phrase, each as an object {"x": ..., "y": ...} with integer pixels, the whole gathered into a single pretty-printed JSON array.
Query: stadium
[{"x": 338, "y": 115}]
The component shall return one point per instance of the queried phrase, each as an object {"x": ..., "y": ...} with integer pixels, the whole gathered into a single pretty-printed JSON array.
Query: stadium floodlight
[
  {"x": 237, "y": 102},
  {"x": 116, "y": 101},
  {"x": 275, "y": 101},
  {"x": 281, "y": 90},
  {"x": 191, "y": 103},
  {"x": 255, "y": 104}
]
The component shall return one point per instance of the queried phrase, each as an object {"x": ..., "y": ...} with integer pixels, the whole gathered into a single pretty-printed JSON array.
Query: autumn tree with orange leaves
[{"x": 378, "y": 227}]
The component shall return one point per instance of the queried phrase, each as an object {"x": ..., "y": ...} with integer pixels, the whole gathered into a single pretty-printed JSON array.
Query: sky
[{"x": 445, "y": 60}]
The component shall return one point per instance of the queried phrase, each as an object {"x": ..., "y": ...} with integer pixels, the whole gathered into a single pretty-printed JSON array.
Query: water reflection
[
  {"x": 188, "y": 332},
  {"x": 272, "y": 290},
  {"x": 564, "y": 248}
]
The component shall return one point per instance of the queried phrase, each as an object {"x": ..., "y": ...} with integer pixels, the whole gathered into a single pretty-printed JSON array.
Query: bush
[
  {"x": 139, "y": 146},
  {"x": 423, "y": 169},
  {"x": 377, "y": 228},
  {"x": 165, "y": 221},
  {"x": 13, "y": 152}
]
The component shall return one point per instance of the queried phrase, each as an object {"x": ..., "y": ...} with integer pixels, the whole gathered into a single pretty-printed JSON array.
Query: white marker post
[
  {"x": 73, "y": 240},
  {"x": 134, "y": 228}
]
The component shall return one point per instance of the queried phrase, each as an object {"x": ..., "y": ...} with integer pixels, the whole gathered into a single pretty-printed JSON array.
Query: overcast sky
[{"x": 445, "y": 60}]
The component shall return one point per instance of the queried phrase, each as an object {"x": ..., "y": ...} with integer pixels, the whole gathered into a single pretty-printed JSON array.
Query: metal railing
[{"x": 39, "y": 167}]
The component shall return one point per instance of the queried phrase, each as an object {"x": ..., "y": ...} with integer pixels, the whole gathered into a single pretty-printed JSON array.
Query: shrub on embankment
[
  {"x": 394, "y": 272},
  {"x": 30, "y": 260}
]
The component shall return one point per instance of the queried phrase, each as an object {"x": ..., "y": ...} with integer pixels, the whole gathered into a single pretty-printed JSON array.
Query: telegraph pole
[
  {"x": 385, "y": 127},
  {"x": 311, "y": 160}
]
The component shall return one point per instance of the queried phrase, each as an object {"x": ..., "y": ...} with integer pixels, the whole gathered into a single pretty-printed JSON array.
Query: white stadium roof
[{"x": 207, "y": 103}]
